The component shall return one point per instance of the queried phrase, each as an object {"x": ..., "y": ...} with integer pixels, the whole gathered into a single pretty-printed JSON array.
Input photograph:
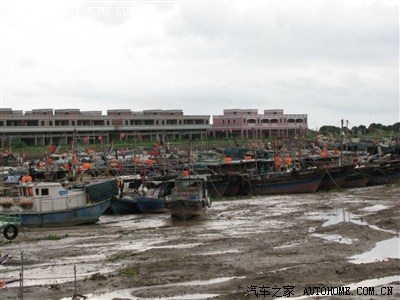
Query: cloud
[{"x": 323, "y": 58}]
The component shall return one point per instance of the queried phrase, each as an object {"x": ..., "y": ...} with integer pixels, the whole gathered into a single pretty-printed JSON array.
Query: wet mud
[{"x": 248, "y": 248}]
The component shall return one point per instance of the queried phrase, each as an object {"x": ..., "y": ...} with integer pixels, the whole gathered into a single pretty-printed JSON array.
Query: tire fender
[{"x": 10, "y": 232}]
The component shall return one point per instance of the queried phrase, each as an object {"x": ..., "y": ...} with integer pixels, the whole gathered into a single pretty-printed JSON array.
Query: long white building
[{"x": 62, "y": 126}]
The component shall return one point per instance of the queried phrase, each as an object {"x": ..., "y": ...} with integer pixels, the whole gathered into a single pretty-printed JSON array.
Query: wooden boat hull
[
  {"x": 334, "y": 177},
  {"x": 217, "y": 185},
  {"x": 358, "y": 177},
  {"x": 76, "y": 216},
  {"x": 234, "y": 185},
  {"x": 151, "y": 205},
  {"x": 124, "y": 205},
  {"x": 303, "y": 181},
  {"x": 187, "y": 209},
  {"x": 386, "y": 173}
]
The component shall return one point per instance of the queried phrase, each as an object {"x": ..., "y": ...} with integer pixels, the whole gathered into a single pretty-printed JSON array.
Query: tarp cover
[{"x": 102, "y": 189}]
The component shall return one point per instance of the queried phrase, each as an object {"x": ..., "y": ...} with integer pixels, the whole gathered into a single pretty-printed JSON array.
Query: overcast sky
[{"x": 331, "y": 60}]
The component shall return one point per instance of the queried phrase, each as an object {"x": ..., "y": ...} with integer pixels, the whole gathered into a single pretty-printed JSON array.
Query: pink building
[{"x": 248, "y": 123}]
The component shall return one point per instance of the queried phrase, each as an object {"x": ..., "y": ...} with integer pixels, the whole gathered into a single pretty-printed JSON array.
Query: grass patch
[
  {"x": 129, "y": 271},
  {"x": 52, "y": 237},
  {"x": 98, "y": 276},
  {"x": 118, "y": 257}
]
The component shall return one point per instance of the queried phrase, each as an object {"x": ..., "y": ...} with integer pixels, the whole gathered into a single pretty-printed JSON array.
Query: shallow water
[
  {"x": 339, "y": 215},
  {"x": 383, "y": 251}
]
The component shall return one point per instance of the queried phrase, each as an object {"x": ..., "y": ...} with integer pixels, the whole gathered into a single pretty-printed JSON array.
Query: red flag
[
  {"x": 121, "y": 135},
  {"x": 122, "y": 152},
  {"x": 85, "y": 140},
  {"x": 100, "y": 138},
  {"x": 51, "y": 148}
]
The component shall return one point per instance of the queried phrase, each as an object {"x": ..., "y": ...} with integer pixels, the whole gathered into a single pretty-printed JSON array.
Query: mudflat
[{"x": 343, "y": 243}]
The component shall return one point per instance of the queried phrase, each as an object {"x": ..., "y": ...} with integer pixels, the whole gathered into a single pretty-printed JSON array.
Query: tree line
[{"x": 373, "y": 128}]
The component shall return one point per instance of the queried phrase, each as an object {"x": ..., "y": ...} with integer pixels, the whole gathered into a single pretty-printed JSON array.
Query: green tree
[{"x": 326, "y": 129}]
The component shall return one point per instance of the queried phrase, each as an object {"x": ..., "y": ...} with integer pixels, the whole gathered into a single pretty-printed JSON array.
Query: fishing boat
[
  {"x": 335, "y": 176},
  {"x": 359, "y": 176},
  {"x": 336, "y": 170},
  {"x": 217, "y": 184},
  {"x": 189, "y": 198},
  {"x": 123, "y": 205},
  {"x": 49, "y": 204},
  {"x": 151, "y": 198},
  {"x": 283, "y": 182},
  {"x": 234, "y": 184},
  {"x": 386, "y": 172}
]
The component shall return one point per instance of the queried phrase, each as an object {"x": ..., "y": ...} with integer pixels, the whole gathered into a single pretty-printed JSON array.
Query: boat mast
[{"x": 341, "y": 143}]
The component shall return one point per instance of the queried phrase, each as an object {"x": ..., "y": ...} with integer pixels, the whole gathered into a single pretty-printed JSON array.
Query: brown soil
[{"x": 242, "y": 244}]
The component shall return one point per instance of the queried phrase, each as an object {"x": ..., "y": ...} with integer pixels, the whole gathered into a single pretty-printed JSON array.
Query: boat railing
[
  {"x": 14, "y": 219},
  {"x": 43, "y": 204}
]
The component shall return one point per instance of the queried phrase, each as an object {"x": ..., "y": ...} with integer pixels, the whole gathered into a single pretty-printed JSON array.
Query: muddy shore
[{"x": 242, "y": 248}]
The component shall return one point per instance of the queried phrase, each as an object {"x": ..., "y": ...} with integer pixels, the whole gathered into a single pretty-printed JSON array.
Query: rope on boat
[
  {"x": 250, "y": 184},
  {"x": 383, "y": 173},
  {"x": 215, "y": 189},
  {"x": 333, "y": 180}
]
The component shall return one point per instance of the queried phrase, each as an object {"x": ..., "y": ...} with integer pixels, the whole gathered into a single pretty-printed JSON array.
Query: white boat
[{"x": 49, "y": 204}]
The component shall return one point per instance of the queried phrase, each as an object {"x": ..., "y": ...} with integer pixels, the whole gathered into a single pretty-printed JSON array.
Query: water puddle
[
  {"x": 339, "y": 215},
  {"x": 335, "y": 238},
  {"x": 375, "y": 208},
  {"x": 384, "y": 250},
  {"x": 336, "y": 216},
  {"x": 220, "y": 252},
  {"x": 128, "y": 293}
]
